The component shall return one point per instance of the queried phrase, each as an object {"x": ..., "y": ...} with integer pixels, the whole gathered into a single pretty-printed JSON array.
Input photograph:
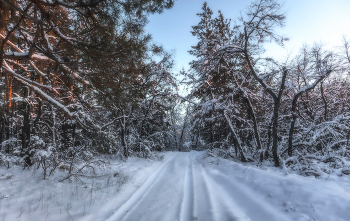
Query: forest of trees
[
  {"x": 294, "y": 112},
  {"x": 82, "y": 78}
]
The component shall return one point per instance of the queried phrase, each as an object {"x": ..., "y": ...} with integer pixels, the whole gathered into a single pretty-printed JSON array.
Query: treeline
[
  {"x": 292, "y": 111},
  {"x": 80, "y": 78}
]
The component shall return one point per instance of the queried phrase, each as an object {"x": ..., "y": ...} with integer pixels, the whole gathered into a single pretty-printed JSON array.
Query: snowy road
[
  {"x": 184, "y": 189},
  {"x": 185, "y": 186}
]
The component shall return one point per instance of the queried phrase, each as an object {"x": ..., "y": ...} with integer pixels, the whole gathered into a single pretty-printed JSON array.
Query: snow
[
  {"x": 190, "y": 187},
  {"x": 270, "y": 188},
  {"x": 25, "y": 55},
  {"x": 23, "y": 79},
  {"x": 17, "y": 54},
  {"x": 24, "y": 195},
  {"x": 128, "y": 205},
  {"x": 184, "y": 186},
  {"x": 74, "y": 74},
  {"x": 187, "y": 203}
]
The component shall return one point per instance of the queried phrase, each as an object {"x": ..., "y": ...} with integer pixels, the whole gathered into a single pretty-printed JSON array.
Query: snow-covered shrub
[
  {"x": 312, "y": 165},
  {"x": 219, "y": 152},
  {"x": 8, "y": 160}
]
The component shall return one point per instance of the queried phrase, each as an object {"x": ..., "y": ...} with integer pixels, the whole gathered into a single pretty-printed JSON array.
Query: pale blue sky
[{"x": 307, "y": 21}]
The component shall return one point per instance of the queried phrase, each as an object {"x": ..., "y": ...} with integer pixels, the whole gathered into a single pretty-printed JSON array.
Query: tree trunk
[
  {"x": 53, "y": 126},
  {"x": 275, "y": 133},
  {"x": 39, "y": 113},
  {"x": 197, "y": 138},
  {"x": 26, "y": 121},
  {"x": 123, "y": 139},
  {"x": 269, "y": 135},
  {"x": 325, "y": 102},
  {"x": 235, "y": 138},
  {"x": 125, "y": 147},
  {"x": 8, "y": 108},
  {"x": 68, "y": 135},
  {"x": 183, "y": 129},
  {"x": 276, "y": 98},
  {"x": 2, "y": 125},
  {"x": 291, "y": 129},
  {"x": 294, "y": 107},
  {"x": 276, "y": 107},
  {"x": 252, "y": 115}
]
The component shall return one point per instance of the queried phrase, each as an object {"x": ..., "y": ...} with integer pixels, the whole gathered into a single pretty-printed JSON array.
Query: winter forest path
[{"x": 184, "y": 189}]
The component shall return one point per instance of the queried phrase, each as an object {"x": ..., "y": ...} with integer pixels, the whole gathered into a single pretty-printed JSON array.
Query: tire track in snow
[
  {"x": 211, "y": 201},
  {"x": 138, "y": 195},
  {"x": 202, "y": 202},
  {"x": 250, "y": 203},
  {"x": 187, "y": 203},
  {"x": 223, "y": 207}
]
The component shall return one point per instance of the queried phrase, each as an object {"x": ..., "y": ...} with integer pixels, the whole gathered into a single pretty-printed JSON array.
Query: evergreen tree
[{"x": 63, "y": 59}]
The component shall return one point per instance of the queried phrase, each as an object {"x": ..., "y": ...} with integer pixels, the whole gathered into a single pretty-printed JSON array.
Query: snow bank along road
[{"x": 183, "y": 189}]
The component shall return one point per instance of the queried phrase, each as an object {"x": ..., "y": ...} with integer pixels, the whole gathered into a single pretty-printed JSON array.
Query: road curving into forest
[{"x": 183, "y": 189}]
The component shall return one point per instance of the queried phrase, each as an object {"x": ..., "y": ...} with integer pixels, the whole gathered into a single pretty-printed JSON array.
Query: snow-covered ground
[
  {"x": 24, "y": 195},
  {"x": 184, "y": 186}
]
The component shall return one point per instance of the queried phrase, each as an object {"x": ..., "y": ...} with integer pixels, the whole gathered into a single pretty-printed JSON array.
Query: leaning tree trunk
[
  {"x": 255, "y": 123},
  {"x": 235, "y": 138},
  {"x": 183, "y": 130}
]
